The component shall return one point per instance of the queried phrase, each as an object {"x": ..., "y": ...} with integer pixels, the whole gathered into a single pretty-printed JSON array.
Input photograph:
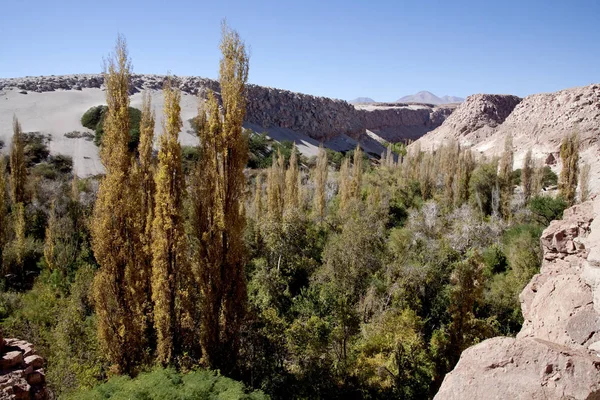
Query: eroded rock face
[
  {"x": 319, "y": 117},
  {"x": 474, "y": 119},
  {"x": 555, "y": 355},
  {"x": 22, "y": 374}
]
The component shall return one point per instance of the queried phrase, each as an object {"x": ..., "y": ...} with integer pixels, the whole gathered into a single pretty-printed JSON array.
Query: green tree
[{"x": 527, "y": 176}]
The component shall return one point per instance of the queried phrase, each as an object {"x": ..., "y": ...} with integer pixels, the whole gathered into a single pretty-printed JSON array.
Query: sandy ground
[{"x": 59, "y": 112}]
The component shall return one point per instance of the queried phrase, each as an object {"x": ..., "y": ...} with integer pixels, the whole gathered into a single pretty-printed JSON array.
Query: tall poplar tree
[
  {"x": 115, "y": 289},
  {"x": 505, "y": 177},
  {"x": 169, "y": 261},
  {"x": 357, "y": 172},
  {"x": 18, "y": 171},
  {"x": 219, "y": 219},
  {"x": 527, "y": 175},
  {"x": 320, "y": 176},
  {"x": 292, "y": 199},
  {"x": 569, "y": 154}
]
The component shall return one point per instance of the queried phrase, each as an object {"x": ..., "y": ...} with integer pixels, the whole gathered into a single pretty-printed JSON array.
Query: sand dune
[{"x": 59, "y": 112}]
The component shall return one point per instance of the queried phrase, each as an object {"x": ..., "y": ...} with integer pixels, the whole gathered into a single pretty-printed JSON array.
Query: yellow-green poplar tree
[
  {"x": 275, "y": 188},
  {"x": 18, "y": 171},
  {"x": 292, "y": 199},
  {"x": 20, "y": 239},
  {"x": 219, "y": 220},
  {"x": 345, "y": 186},
  {"x": 569, "y": 154},
  {"x": 143, "y": 176},
  {"x": 320, "y": 177},
  {"x": 169, "y": 261},
  {"x": 114, "y": 235},
  {"x": 357, "y": 172},
  {"x": 527, "y": 175},
  {"x": 505, "y": 177}
]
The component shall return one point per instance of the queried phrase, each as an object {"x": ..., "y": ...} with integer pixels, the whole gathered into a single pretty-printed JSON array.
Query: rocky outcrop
[
  {"x": 555, "y": 355},
  {"x": 398, "y": 121},
  {"x": 22, "y": 374},
  {"x": 473, "y": 119},
  {"x": 539, "y": 122},
  {"x": 320, "y": 118}
]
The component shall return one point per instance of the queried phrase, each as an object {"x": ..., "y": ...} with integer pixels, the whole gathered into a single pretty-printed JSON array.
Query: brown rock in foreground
[
  {"x": 22, "y": 375},
  {"x": 555, "y": 356}
]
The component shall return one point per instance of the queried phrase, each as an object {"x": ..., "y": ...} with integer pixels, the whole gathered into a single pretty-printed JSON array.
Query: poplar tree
[
  {"x": 320, "y": 176},
  {"x": 569, "y": 154},
  {"x": 291, "y": 183},
  {"x": 20, "y": 239},
  {"x": 357, "y": 172},
  {"x": 219, "y": 220},
  {"x": 169, "y": 271},
  {"x": 345, "y": 189},
  {"x": 527, "y": 175},
  {"x": 275, "y": 189},
  {"x": 115, "y": 288},
  {"x": 505, "y": 177},
  {"x": 466, "y": 165},
  {"x": 18, "y": 171},
  {"x": 144, "y": 175}
]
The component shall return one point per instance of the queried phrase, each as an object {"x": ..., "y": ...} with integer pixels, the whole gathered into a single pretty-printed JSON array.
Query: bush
[
  {"x": 169, "y": 384},
  {"x": 94, "y": 119},
  {"x": 36, "y": 148},
  {"x": 549, "y": 177},
  {"x": 545, "y": 209},
  {"x": 190, "y": 155}
]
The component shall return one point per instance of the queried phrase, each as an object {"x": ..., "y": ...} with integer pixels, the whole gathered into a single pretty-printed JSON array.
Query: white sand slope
[{"x": 59, "y": 112}]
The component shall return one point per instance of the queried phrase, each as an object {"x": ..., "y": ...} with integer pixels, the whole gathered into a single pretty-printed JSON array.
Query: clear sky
[{"x": 342, "y": 49}]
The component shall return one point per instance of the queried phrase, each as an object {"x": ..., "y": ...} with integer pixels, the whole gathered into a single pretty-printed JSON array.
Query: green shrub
[
  {"x": 36, "y": 148},
  {"x": 168, "y": 384},
  {"x": 549, "y": 177},
  {"x": 190, "y": 155},
  {"x": 94, "y": 119},
  {"x": 546, "y": 208}
]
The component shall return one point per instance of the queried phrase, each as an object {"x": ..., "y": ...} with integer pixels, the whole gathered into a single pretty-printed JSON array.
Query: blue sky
[{"x": 341, "y": 49}]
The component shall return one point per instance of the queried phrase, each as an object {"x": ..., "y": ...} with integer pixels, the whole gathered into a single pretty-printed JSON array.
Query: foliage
[
  {"x": 94, "y": 119},
  {"x": 168, "y": 384},
  {"x": 546, "y": 208}
]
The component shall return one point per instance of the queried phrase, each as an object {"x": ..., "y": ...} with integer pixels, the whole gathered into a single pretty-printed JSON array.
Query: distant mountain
[
  {"x": 363, "y": 100},
  {"x": 428, "y": 97}
]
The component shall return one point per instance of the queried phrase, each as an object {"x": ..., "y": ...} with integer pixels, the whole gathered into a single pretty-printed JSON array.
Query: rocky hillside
[
  {"x": 538, "y": 122},
  {"x": 556, "y": 354},
  {"x": 320, "y": 118}
]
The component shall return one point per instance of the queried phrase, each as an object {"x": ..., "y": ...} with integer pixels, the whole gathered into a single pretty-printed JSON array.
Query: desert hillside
[
  {"x": 538, "y": 122},
  {"x": 54, "y": 105}
]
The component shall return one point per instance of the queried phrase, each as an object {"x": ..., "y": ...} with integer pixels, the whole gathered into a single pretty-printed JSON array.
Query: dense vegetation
[{"x": 339, "y": 276}]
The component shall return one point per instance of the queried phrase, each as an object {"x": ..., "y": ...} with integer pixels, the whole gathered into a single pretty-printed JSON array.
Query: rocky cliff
[
  {"x": 21, "y": 371},
  {"x": 320, "y": 118},
  {"x": 556, "y": 354}
]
